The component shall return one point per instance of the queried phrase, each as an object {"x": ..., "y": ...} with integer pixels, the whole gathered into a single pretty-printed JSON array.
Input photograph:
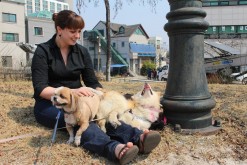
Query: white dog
[{"x": 140, "y": 111}]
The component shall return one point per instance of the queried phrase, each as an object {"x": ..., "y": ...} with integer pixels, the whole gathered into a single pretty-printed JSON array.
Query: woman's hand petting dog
[{"x": 83, "y": 91}]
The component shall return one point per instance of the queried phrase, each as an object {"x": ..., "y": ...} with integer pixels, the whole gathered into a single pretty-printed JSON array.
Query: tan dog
[
  {"x": 78, "y": 110},
  {"x": 140, "y": 111}
]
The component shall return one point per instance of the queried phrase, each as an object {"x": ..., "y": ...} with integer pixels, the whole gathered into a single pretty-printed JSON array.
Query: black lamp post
[{"x": 187, "y": 102}]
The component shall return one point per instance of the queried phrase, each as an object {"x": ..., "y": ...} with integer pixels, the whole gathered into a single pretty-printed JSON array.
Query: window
[
  {"x": 204, "y": 4},
  {"x": 52, "y": 7},
  {"x": 38, "y": 31},
  {"x": 243, "y": 2},
  {"x": 207, "y": 3},
  {"x": 214, "y": 3},
  {"x": 45, "y": 5},
  {"x": 29, "y": 7},
  {"x": 6, "y": 61},
  {"x": 223, "y": 28},
  {"x": 7, "y": 17},
  {"x": 224, "y": 3},
  {"x": 114, "y": 44},
  {"x": 65, "y": 7},
  {"x": 10, "y": 37},
  {"x": 121, "y": 30},
  {"x": 122, "y": 44},
  {"x": 37, "y": 5},
  {"x": 59, "y": 7},
  {"x": 214, "y": 29}
]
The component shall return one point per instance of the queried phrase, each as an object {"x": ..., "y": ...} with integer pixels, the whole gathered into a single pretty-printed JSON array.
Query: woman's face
[{"x": 70, "y": 36}]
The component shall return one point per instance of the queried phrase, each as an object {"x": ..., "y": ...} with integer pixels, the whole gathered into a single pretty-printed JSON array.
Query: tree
[
  {"x": 108, "y": 39},
  {"x": 117, "y": 6}
]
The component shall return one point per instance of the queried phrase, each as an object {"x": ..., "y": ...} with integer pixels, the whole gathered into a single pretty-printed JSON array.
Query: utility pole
[{"x": 99, "y": 50}]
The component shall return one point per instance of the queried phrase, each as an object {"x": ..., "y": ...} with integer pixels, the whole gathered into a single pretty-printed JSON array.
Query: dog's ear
[{"x": 73, "y": 100}]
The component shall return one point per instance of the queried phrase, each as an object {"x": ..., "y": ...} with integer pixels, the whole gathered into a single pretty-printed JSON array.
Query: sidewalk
[{"x": 134, "y": 79}]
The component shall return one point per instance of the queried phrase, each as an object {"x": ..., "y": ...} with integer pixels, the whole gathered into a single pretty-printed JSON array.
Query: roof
[
  {"x": 129, "y": 29},
  {"x": 29, "y": 48},
  {"x": 225, "y": 49},
  {"x": 41, "y": 14},
  {"x": 143, "y": 49}
]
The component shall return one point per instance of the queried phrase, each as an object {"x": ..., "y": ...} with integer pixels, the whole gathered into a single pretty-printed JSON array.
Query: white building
[
  {"x": 12, "y": 31},
  {"x": 25, "y": 23},
  {"x": 161, "y": 52},
  {"x": 129, "y": 45},
  {"x": 54, "y": 6}
]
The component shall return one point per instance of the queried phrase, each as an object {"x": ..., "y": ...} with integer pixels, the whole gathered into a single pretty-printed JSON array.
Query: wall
[{"x": 48, "y": 30}]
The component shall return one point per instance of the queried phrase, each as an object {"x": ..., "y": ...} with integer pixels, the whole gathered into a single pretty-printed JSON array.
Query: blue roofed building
[
  {"x": 143, "y": 50},
  {"x": 129, "y": 45}
]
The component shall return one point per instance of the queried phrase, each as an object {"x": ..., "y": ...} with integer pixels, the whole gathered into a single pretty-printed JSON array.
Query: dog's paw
[
  {"x": 115, "y": 124},
  {"x": 77, "y": 140},
  {"x": 71, "y": 140},
  {"x": 103, "y": 129}
]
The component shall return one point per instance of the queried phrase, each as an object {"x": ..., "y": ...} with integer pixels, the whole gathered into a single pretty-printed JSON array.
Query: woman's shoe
[
  {"x": 128, "y": 155},
  {"x": 149, "y": 142}
]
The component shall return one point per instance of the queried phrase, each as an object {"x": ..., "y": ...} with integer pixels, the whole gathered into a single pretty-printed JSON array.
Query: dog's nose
[{"x": 55, "y": 98}]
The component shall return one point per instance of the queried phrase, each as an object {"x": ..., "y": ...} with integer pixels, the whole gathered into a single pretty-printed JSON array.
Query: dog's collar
[
  {"x": 71, "y": 125},
  {"x": 69, "y": 112},
  {"x": 138, "y": 117}
]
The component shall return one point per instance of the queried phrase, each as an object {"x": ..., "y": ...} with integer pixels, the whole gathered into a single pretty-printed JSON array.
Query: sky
[{"x": 131, "y": 13}]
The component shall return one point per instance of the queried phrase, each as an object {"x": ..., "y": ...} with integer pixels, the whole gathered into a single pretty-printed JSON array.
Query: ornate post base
[{"x": 187, "y": 102}]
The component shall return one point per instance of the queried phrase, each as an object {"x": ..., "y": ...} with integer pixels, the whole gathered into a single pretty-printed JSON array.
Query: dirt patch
[{"x": 228, "y": 146}]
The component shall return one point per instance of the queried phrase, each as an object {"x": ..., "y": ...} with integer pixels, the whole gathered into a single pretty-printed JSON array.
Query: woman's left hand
[{"x": 83, "y": 91}]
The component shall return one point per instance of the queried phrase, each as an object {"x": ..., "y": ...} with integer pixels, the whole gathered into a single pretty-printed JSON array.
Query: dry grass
[{"x": 229, "y": 146}]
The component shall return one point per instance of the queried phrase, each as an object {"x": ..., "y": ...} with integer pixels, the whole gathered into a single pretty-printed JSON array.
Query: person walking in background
[
  {"x": 149, "y": 74},
  {"x": 154, "y": 74},
  {"x": 61, "y": 61}
]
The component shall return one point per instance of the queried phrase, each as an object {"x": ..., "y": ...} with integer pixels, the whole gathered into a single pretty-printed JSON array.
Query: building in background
[
  {"x": 39, "y": 24},
  {"x": 25, "y": 23},
  {"x": 54, "y": 6},
  {"x": 12, "y": 31},
  {"x": 227, "y": 22},
  {"x": 161, "y": 53},
  {"x": 226, "y": 35},
  {"x": 129, "y": 46}
]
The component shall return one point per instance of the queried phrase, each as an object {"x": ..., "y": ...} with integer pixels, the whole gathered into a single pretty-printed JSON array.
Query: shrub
[{"x": 147, "y": 65}]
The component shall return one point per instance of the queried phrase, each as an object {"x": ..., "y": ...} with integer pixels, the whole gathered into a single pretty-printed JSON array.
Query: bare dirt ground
[{"x": 227, "y": 147}]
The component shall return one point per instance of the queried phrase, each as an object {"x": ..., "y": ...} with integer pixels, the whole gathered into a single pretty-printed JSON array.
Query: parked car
[
  {"x": 163, "y": 73},
  {"x": 240, "y": 77}
]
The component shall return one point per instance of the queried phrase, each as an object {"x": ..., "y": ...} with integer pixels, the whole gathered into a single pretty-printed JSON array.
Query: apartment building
[
  {"x": 227, "y": 22},
  {"x": 26, "y": 22},
  {"x": 12, "y": 31},
  {"x": 54, "y": 6}
]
